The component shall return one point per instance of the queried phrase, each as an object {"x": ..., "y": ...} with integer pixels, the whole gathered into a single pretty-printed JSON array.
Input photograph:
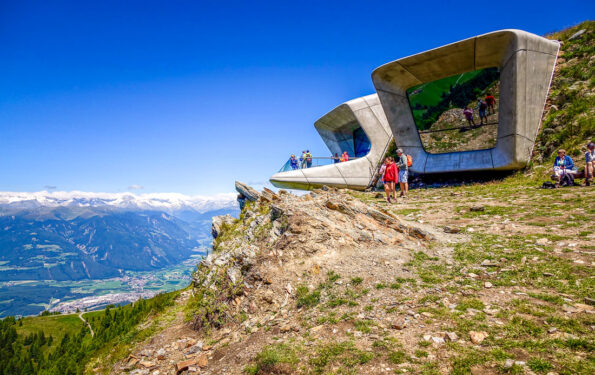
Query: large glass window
[
  {"x": 361, "y": 143},
  {"x": 458, "y": 113}
]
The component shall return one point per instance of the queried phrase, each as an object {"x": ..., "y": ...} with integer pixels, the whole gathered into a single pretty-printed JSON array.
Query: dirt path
[{"x": 87, "y": 323}]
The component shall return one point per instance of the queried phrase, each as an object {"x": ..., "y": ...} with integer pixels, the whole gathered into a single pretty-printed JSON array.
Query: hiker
[
  {"x": 403, "y": 173},
  {"x": 482, "y": 107},
  {"x": 293, "y": 162},
  {"x": 563, "y": 167},
  {"x": 468, "y": 112},
  {"x": 589, "y": 163},
  {"x": 308, "y": 159},
  {"x": 344, "y": 157},
  {"x": 389, "y": 178},
  {"x": 303, "y": 159},
  {"x": 490, "y": 101},
  {"x": 336, "y": 158}
]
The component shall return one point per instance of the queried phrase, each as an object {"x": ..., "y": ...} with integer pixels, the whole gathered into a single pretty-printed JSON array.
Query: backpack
[
  {"x": 567, "y": 180},
  {"x": 409, "y": 161}
]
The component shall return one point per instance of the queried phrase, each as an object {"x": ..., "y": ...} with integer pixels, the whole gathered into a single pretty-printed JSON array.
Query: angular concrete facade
[
  {"x": 336, "y": 129},
  {"x": 526, "y": 62}
]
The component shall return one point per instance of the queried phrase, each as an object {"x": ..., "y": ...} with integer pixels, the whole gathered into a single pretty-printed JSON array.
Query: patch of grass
[
  {"x": 363, "y": 326},
  {"x": 356, "y": 280},
  {"x": 539, "y": 364},
  {"x": 305, "y": 298},
  {"x": 339, "y": 354},
  {"x": 275, "y": 359},
  {"x": 397, "y": 357},
  {"x": 470, "y": 303}
]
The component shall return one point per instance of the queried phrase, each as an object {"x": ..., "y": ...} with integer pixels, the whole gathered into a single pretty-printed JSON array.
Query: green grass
[{"x": 53, "y": 325}]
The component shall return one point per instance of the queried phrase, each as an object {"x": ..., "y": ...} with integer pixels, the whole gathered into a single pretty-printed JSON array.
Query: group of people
[
  {"x": 565, "y": 170},
  {"x": 393, "y": 172},
  {"x": 305, "y": 161},
  {"x": 344, "y": 157},
  {"x": 484, "y": 107}
]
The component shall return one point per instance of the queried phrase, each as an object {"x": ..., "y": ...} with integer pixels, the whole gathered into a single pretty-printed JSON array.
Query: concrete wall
[
  {"x": 526, "y": 62},
  {"x": 336, "y": 129}
]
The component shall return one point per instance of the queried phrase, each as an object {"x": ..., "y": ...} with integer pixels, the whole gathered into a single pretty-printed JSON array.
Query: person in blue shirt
[
  {"x": 294, "y": 162},
  {"x": 562, "y": 165}
]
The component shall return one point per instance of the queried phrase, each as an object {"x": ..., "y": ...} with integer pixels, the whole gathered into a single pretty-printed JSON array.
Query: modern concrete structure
[
  {"x": 526, "y": 62},
  {"x": 359, "y": 127}
]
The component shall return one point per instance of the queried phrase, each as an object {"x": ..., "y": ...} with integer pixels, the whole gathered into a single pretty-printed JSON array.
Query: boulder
[
  {"x": 477, "y": 337},
  {"x": 248, "y": 192}
]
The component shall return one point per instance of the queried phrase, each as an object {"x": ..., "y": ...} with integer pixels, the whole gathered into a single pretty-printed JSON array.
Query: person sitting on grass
[
  {"x": 389, "y": 178},
  {"x": 589, "y": 163},
  {"x": 562, "y": 165},
  {"x": 468, "y": 112}
]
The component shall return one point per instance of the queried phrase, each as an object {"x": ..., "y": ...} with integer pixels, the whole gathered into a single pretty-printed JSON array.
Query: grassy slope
[
  {"x": 569, "y": 120},
  {"x": 54, "y": 325}
]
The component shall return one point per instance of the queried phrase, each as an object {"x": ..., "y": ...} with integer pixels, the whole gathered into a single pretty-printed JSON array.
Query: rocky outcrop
[
  {"x": 246, "y": 193},
  {"x": 279, "y": 235},
  {"x": 217, "y": 223}
]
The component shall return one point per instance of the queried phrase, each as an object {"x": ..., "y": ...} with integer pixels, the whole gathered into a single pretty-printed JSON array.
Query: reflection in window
[
  {"x": 361, "y": 143},
  {"x": 458, "y": 113}
]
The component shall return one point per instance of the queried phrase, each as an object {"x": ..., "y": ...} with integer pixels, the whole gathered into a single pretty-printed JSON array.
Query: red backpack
[{"x": 409, "y": 161}]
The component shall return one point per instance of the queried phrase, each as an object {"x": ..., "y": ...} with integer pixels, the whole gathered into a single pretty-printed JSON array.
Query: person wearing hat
[
  {"x": 293, "y": 162},
  {"x": 589, "y": 163},
  {"x": 403, "y": 173}
]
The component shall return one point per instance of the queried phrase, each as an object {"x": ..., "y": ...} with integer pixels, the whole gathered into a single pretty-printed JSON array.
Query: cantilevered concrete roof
[
  {"x": 526, "y": 62},
  {"x": 336, "y": 129}
]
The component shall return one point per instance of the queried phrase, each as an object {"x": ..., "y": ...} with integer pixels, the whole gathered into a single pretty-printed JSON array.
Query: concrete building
[
  {"x": 526, "y": 63},
  {"x": 359, "y": 127}
]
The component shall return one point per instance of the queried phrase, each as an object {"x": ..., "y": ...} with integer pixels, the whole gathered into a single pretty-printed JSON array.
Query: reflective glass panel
[{"x": 458, "y": 113}]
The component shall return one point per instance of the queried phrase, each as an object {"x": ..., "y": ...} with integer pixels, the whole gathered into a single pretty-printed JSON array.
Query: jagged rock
[
  {"x": 509, "y": 363},
  {"x": 218, "y": 221},
  {"x": 202, "y": 361},
  {"x": 194, "y": 349},
  {"x": 234, "y": 274},
  {"x": 400, "y": 324},
  {"x": 577, "y": 34},
  {"x": 183, "y": 365},
  {"x": 276, "y": 212},
  {"x": 161, "y": 354},
  {"x": 248, "y": 192},
  {"x": 590, "y": 301},
  {"x": 477, "y": 209},
  {"x": 477, "y": 337},
  {"x": 451, "y": 336},
  {"x": 452, "y": 230}
]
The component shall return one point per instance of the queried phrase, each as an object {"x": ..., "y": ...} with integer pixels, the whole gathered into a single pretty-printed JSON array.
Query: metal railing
[{"x": 317, "y": 161}]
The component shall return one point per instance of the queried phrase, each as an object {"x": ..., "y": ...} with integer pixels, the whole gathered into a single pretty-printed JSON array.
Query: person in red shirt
[
  {"x": 490, "y": 101},
  {"x": 390, "y": 179}
]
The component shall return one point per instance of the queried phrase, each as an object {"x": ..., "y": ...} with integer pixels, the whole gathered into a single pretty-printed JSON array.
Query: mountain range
[{"x": 80, "y": 235}]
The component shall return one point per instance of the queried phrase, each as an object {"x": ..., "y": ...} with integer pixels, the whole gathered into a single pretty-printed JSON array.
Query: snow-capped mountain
[
  {"x": 167, "y": 202},
  {"x": 77, "y": 235}
]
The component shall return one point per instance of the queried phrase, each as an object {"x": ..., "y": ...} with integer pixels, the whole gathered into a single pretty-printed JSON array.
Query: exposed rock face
[
  {"x": 246, "y": 192},
  {"x": 218, "y": 221},
  {"x": 255, "y": 259}
]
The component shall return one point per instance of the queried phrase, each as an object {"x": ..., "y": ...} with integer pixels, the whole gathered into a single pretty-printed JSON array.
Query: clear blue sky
[{"x": 187, "y": 96}]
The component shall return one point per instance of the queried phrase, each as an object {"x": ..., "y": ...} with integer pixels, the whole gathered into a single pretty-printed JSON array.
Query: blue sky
[{"x": 188, "y": 96}]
